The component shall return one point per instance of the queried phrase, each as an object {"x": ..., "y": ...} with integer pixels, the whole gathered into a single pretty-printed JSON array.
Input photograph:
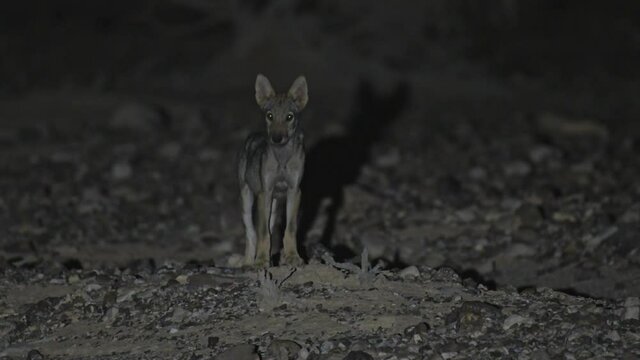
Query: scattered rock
[
  {"x": 632, "y": 215},
  {"x": 409, "y": 272},
  {"x": 558, "y": 125},
  {"x": 477, "y": 173},
  {"x": 540, "y": 153},
  {"x": 417, "y": 333},
  {"x": 326, "y": 346},
  {"x": 513, "y": 320},
  {"x": 517, "y": 250},
  {"x": 592, "y": 242},
  {"x": 473, "y": 316},
  {"x": 35, "y": 355},
  {"x": 283, "y": 350},
  {"x": 466, "y": 215},
  {"x": 389, "y": 159},
  {"x": 182, "y": 279},
  {"x": 110, "y": 315},
  {"x": 121, "y": 171},
  {"x": 170, "y": 150},
  {"x": 631, "y": 308},
  {"x": 73, "y": 278},
  {"x": 447, "y": 274},
  {"x": 561, "y": 216},
  {"x": 517, "y": 168},
  {"x": 613, "y": 335}
]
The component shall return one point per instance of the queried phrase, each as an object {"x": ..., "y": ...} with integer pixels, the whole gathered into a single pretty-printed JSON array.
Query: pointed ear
[
  {"x": 264, "y": 90},
  {"x": 298, "y": 92}
]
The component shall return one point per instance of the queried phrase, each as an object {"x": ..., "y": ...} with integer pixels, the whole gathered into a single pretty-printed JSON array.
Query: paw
[
  {"x": 261, "y": 262},
  {"x": 292, "y": 259}
]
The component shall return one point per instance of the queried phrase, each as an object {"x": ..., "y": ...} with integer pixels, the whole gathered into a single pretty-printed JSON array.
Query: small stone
[
  {"x": 326, "y": 347},
  {"x": 540, "y": 153},
  {"x": 35, "y": 355},
  {"x": 592, "y": 242},
  {"x": 613, "y": 335},
  {"x": 170, "y": 150},
  {"x": 73, "y": 278},
  {"x": 303, "y": 354},
  {"x": 466, "y": 215},
  {"x": 561, "y": 216},
  {"x": 631, "y": 308},
  {"x": 182, "y": 279},
  {"x": 421, "y": 329},
  {"x": 631, "y": 301},
  {"x": 447, "y": 274},
  {"x": 449, "y": 355},
  {"x": 388, "y": 159},
  {"x": 121, "y": 171},
  {"x": 632, "y": 215},
  {"x": 559, "y": 125},
  {"x": 110, "y": 315},
  {"x": 517, "y": 168},
  {"x": 409, "y": 272},
  {"x": 212, "y": 342},
  {"x": 239, "y": 352},
  {"x": 179, "y": 315},
  {"x": 283, "y": 350},
  {"x": 513, "y": 320},
  {"x": 358, "y": 355},
  {"x": 477, "y": 173},
  {"x": 517, "y": 250}
]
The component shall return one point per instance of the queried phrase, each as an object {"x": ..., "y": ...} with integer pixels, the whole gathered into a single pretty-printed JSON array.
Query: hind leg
[{"x": 247, "y": 219}]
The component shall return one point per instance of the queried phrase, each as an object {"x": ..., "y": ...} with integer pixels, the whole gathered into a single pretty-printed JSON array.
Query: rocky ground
[{"x": 500, "y": 209}]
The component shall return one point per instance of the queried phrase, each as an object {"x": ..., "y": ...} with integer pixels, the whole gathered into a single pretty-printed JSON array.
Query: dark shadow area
[
  {"x": 72, "y": 264},
  {"x": 568, "y": 291},
  {"x": 474, "y": 275},
  {"x": 392, "y": 263},
  {"x": 335, "y": 162}
]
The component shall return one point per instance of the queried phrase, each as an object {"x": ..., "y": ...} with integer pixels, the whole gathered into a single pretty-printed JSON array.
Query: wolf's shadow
[{"x": 335, "y": 162}]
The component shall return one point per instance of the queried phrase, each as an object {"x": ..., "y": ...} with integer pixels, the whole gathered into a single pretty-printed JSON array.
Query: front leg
[
  {"x": 250, "y": 231},
  {"x": 263, "y": 250},
  {"x": 290, "y": 254}
]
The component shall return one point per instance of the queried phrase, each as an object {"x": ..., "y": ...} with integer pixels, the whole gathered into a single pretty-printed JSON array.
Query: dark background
[{"x": 120, "y": 121}]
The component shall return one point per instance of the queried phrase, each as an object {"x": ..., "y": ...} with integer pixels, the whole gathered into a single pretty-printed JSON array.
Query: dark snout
[{"x": 278, "y": 139}]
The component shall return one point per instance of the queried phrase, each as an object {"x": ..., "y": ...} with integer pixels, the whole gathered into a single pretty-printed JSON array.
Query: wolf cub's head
[{"x": 281, "y": 110}]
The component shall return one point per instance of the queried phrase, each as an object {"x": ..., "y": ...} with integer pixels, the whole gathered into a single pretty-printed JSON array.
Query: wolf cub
[{"x": 270, "y": 169}]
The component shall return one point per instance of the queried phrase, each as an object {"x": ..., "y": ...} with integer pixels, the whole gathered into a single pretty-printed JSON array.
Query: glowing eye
[
  {"x": 289, "y": 116},
  {"x": 269, "y": 116}
]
